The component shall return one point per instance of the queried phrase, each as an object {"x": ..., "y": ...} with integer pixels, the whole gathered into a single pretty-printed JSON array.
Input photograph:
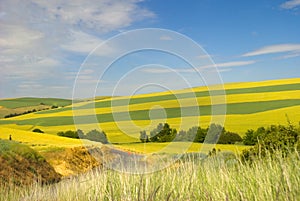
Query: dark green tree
[
  {"x": 229, "y": 138},
  {"x": 163, "y": 133},
  {"x": 213, "y": 133},
  {"x": 201, "y": 135},
  {"x": 95, "y": 135},
  {"x": 144, "y": 137}
]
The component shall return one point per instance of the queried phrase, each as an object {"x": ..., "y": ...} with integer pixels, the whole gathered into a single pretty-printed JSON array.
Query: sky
[{"x": 84, "y": 48}]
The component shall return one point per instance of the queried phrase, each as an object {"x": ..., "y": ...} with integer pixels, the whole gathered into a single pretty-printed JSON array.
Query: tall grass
[{"x": 214, "y": 178}]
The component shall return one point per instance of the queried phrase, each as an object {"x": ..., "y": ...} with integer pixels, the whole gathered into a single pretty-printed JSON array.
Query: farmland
[
  {"x": 254, "y": 103},
  {"x": 248, "y": 106}
]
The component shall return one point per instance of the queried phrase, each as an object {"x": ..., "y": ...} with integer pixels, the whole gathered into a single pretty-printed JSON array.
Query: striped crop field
[{"x": 248, "y": 106}]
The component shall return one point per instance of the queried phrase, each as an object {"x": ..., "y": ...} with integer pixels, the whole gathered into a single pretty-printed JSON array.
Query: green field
[{"x": 28, "y": 101}]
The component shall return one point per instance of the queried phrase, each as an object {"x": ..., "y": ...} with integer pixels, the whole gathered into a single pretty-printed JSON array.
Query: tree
[
  {"x": 163, "y": 133},
  {"x": 144, "y": 137},
  {"x": 214, "y": 132},
  {"x": 69, "y": 133},
  {"x": 80, "y": 133},
  {"x": 181, "y": 136},
  {"x": 154, "y": 133},
  {"x": 229, "y": 138},
  {"x": 95, "y": 135},
  {"x": 201, "y": 135}
]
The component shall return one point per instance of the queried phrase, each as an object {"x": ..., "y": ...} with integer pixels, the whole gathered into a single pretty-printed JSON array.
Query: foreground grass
[{"x": 215, "y": 178}]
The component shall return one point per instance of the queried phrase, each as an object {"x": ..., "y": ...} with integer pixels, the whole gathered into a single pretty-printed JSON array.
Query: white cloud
[
  {"x": 221, "y": 67},
  {"x": 288, "y": 56},
  {"x": 84, "y": 43},
  {"x": 290, "y": 4},
  {"x": 280, "y": 48},
  {"x": 165, "y": 38},
  {"x": 81, "y": 42},
  {"x": 38, "y": 38},
  {"x": 100, "y": 15},
  {"x": 229, "y": 64}
]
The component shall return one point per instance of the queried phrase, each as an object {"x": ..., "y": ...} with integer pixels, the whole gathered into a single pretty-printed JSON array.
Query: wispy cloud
[
  {"x": 290, "y": 4},
  {"x": 280, "y": 48},
  {"x": 222, "y": 67},
  {"x": 230, "y": 64},
  {"x": 165, "y": 38},
  {"x": 39, "y": 38}
]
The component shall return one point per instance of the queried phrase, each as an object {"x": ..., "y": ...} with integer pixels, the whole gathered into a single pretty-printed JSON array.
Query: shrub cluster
[
  {"x": 93, "y": 135},
  {"x": 212, "y": 134},
  {"x": 270, "y": 139}
]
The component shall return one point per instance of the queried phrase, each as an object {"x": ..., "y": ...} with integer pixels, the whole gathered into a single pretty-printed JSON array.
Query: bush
[
  {"x": 37, "y": 130},
  {"x": 70, "y": 134},
  {"x": 95, "y": 135},
  {"x": 272, "y": 139},
  {"x": 229, "y": 138}
]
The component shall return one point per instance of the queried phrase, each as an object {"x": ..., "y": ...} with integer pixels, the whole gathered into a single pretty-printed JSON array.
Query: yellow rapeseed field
[
  {"x": 201, "y": 101},
  {"x": 178, "y": 147},
  {"x": 37, "y": 140}
]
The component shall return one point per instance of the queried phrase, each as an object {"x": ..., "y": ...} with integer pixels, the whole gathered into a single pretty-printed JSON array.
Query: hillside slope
[{"x": 21, "y": 165}]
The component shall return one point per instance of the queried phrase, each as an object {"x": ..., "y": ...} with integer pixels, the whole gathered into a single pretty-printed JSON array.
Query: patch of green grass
[
  {"x": 28, "y": 101},
  {"x": 11, "y": 148},
  {"x": 233, "y": 108}
]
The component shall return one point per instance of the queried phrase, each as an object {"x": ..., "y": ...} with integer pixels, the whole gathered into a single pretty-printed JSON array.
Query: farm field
[
  {"x": 39, "y": 141},
  {"x": 248, "y": 105},
  {"x": 179, "y": 147},
  {"x": 21, "y": 105}
]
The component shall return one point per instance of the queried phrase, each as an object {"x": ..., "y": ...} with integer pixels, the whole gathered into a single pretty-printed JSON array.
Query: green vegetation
[
  {"x": 93, "y": 135},
  {"x": 212, "y": 134},
  {"x": 273, "y": 138},
  {"x": 28, "y": 101},
  {"x": 221, "y": 177},
  {"x": 70, "y": 134},
  {"x": 37, "y": 130}
]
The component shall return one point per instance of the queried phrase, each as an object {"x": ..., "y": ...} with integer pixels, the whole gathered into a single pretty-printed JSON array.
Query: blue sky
[{"x": 44, "y": 43}]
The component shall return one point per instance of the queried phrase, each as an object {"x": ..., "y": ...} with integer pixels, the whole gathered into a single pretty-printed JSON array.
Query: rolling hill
[
  {"x": 25, "y": 104},
  {"x": 248, "y": 106}
]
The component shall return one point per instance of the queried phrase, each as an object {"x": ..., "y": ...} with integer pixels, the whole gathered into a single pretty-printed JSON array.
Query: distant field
[
  {"x": 249, "y": 105},
  {"x": 21, "y": 105},
  {"x": 234, "y": 108},
  {"x": 25, "y": 102}
]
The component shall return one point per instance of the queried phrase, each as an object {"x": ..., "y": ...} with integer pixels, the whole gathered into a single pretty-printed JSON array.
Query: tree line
[
  {"x": 93, "y": 135},
  {"x": 212, "y": 134},
  {"x": 30, "y": 111}
]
